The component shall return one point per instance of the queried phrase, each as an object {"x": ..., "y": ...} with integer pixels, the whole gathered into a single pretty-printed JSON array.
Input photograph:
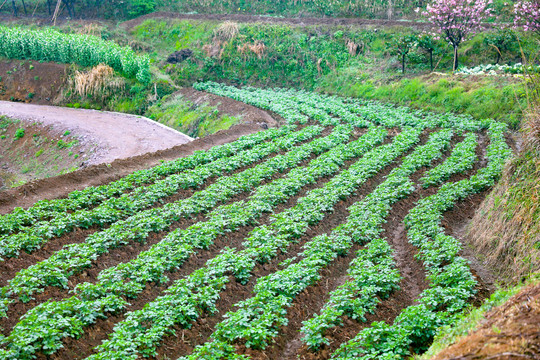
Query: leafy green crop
[{"x": 85, "y": 50}]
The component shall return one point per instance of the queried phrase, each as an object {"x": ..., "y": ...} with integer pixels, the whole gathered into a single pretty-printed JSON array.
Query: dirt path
[
  {"x": 301, "y": 21},
  {"x": 115, "y": 135}
]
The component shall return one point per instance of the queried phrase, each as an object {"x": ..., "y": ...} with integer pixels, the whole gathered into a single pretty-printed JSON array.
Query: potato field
[{"x": 329, "y": 237}]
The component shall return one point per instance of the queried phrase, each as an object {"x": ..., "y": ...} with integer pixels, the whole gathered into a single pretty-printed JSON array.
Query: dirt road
[{"x": 115, "y": 135}]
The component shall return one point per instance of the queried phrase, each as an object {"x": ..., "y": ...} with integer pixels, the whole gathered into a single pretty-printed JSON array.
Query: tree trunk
[
  {"x": 390, "y": 10},
  {"x": 24, "y": 7},
  {"x": 56, "y": 10},
  {"x": 455, "y": 58},
  {"x": 498, "y": 57},
  {"x": 69, "y": 9},
  {"x": 15, "y": 12},
  {"x": 431, "y": 59},
  {"x": 49, "y": 6},
  {"x": 403, "y": 63}
]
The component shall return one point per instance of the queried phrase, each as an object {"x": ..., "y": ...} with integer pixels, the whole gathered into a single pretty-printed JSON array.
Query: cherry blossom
[
  {"x": 527, "y": 15},
  {"x": 456, "y": 20}
]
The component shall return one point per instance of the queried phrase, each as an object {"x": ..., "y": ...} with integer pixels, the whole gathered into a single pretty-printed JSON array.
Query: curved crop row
[
  {"x": 280, "y": 103},
  {"x": 451, "y": 281},
  {"x": 354, "y": 111},
  {"x": 128, "y": 279},
  {"x": 462, "y": 159},
  {"x": 188, "y": 298},
  {"x": 85, "y": 50},
  {"x": 370, "y": 281},
  {"x": 56, "y": 270},
  {"x": 115, "y": 209},
  {"x": 46, "y": 210},
  {"x": 266, "y": 310}
]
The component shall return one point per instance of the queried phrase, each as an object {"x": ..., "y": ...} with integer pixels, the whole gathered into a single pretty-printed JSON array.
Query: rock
[{"x": 179, "y": 56}]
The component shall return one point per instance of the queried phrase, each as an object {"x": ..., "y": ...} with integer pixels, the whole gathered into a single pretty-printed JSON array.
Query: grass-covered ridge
[{"x": 349, "y": 61}]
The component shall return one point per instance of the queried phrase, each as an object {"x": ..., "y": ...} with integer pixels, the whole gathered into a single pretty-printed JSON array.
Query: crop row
[
  {"x": 260, "y": 317},
  {"x": 85, "y": 50},
  {"x": 129, "y": 279},
  {"x": 355, "y": 111},
  {"x": 370, "y": 281},
  {"x": 451, "y": 281},
  {"x": 462, "y": 159},
  {"x": 115, "y": 209},
  {"x": 190, "y": 297},
  {"x": 280, "y": 103},
  {"x": 90, "y": 196},
  {"x": 56, "y": 270}
]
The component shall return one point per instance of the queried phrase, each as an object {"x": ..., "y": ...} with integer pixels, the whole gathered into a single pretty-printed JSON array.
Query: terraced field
[{"x": 329, "y": 237}]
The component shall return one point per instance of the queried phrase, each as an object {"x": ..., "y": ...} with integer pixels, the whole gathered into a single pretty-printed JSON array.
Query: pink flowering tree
[
  {"x": 527, "y": 15},
  {"x": 456, "y": 20}
]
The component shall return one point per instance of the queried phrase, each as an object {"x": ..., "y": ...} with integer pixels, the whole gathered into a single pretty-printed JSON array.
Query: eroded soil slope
[{"x": 508, "y": 332}]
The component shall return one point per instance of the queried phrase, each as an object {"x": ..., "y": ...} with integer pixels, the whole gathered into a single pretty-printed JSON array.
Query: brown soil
[
  {"x": 81, "y": 348},
  {"x": 287, "y": 345},
  {"x": 112, "y": 258},
  {"x": 61, "y": 186},
  {"x": 508, "y": 332},
  {"x": 42, "y": 152},
  {"x": 31, "y": 81}
]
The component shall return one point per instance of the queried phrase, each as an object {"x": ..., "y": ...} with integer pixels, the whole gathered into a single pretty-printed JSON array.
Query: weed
[{"x": 19, "y": 134}]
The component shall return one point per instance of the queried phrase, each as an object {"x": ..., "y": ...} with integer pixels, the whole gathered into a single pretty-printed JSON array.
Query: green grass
[
  {"x": 500, "y": 99},
  {"x": 195, "y": 121},
  {"x": 317, "y": 57},
  {"x": 469, "y": 320}
]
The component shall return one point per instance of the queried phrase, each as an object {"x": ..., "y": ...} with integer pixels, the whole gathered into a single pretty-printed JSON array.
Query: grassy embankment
[{"x": 346, "y": 61}]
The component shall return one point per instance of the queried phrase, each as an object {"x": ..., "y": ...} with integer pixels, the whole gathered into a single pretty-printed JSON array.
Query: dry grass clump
[
  {"x": 258, "y": 48},
  {"x": 354, "y": 48},
  {"x": 531, "y": 129},
  {"x": 92, "y": 29},
  {"x": 99, "y": 82},
  {"x": 226, "y": 31},
  {"x": 505, "y": 230}
]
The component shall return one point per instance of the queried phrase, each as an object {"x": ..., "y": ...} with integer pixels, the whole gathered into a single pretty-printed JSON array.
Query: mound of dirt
[
  {"x": 31, "y": 81},
  {"x": 508, "y": 332},
  {"x": 30, "y": 151},
  {"x": 115, "y": 135}
]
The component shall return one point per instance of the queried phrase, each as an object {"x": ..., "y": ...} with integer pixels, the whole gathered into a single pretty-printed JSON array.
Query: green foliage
[
  {"x": 353, "y": 8},
  {"x": 401, "y": 45},
  {"x": 502, "y": 41},
  {"x": 195, "y": 121},
  {"x": 265, "y": 165},
  {"x": 19, "y": 133},
  {"x": 85, "y": 50},
  {"x": 489, "y": 98},
  {"x": 140, "y": 7}
]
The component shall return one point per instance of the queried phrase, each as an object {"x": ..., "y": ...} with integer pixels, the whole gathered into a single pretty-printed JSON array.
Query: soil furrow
[
  {"x": 11, "y": 266},
  {"x": 185, "y": 340},
  {"x": 82, "y": 347},
  {"x": 289, "y": 345},
  {"x": 123, "y": 254}
]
